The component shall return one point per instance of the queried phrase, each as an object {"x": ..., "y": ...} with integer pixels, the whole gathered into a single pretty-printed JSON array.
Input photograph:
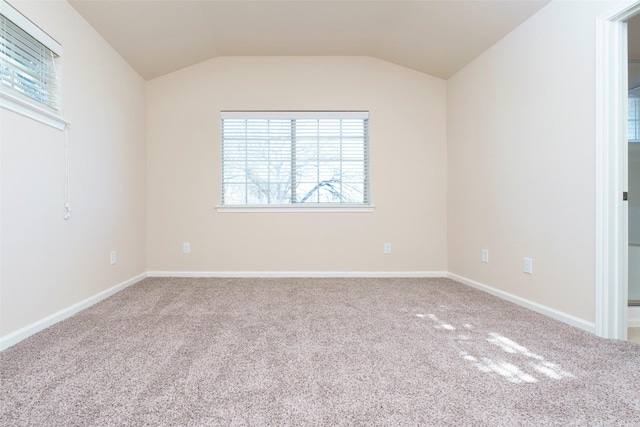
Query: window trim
[
  {"x": 298, "y": 207},
  {"x": 30, "y": 109},
  {"x": 301, "y": 207},
  {"x": 29, "y": 27},
  {"x": 21, "y": 104},
  {"x": 281, "y": 114}
]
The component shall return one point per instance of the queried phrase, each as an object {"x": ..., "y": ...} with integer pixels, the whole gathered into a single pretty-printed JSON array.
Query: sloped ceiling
[{"x": 434, "y": 37}]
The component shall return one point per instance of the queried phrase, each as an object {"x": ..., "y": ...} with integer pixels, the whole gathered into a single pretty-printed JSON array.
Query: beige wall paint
[
  {"x": 49, "y": 264},
  {"x": 521, "y": 144},
  {"x": 408, "y": 168}
]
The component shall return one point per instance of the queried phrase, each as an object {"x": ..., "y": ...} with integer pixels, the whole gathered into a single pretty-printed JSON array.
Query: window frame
[
  {"x": 10, "y": 98},
  {"x": 305, "y": 206}
]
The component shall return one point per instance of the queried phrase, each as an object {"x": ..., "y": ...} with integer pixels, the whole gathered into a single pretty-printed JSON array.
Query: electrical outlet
[
  {"x": 113, "y": 257},
  {"x": 387, "y": 248},
  {"x": 527, "y": 265},
  {"x": 186, "y": 248},
  {"x": 485, "y": 255}
]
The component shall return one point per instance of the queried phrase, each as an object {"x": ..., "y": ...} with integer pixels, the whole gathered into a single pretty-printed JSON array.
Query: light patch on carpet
[
  {"x": 440, "y": 324},
  {"x": 505, "y": 369},
  {"x": 511, "y": 346},
  {"x": 551, "y": 370}
]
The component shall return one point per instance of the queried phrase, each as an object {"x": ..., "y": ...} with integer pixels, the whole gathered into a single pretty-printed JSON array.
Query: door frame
[{"x": 611, "y": 240}]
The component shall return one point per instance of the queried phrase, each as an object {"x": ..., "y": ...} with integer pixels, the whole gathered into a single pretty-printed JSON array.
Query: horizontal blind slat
[{"x": 27, "y": 65}]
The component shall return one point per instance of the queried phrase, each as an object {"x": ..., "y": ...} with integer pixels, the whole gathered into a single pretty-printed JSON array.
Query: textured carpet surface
[{"x": 198, "y": 352}]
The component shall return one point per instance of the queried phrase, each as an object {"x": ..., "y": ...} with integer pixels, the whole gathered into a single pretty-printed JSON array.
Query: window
[
  {"x": 28, "y": 77},
  {"x": 291, "y": 159},
  {"x": 634, "y": 119}
]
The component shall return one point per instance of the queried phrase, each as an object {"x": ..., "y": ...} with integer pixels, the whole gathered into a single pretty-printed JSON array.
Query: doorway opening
[
  {"x": 633, "y": 199},
  {"x": 612, "y": 179}
]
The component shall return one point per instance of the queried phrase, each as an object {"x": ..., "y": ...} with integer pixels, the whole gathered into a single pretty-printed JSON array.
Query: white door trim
[{"x": 611, "y": 241}]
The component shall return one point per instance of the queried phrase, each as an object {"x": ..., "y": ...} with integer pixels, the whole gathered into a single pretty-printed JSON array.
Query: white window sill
[
  {"x": 29, "y": 109},
  {"x": 298, "y": 208}
]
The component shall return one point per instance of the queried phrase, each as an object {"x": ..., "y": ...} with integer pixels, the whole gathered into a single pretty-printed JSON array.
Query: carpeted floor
[{"x": 199, "y": 352}]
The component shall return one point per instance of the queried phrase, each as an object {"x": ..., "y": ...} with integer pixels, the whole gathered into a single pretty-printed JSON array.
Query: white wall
[
  {"x": 408, "y": 168},
  {"x": 49, "y": 264},
  {"x": 521, "y": 144}
]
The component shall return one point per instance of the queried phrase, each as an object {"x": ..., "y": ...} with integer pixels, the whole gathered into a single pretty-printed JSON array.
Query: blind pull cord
[{"x": 67, "y": 182}]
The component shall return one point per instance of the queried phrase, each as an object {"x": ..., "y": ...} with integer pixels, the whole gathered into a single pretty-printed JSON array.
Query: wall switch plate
[
  {"x": 485, "y": 255},
  {"x": 186, "y": 248},
  {"x": 113, "y": 257},
  {"x": 527, "y": 265},
  {"x": 387, "y": 248}
]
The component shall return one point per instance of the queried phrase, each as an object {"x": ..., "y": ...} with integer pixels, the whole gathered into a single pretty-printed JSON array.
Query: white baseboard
[
  {"x": 539, "y": 308},
  {"x": 22, "y": 333},
  {"x": 17, "y": 336},
  {"x": 633, "y": 317},
  {"x": 293, "y": 274}
]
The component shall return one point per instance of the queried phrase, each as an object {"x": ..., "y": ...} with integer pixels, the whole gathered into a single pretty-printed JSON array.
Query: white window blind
[
  {"x": 27, "y": 55},
  {"x": 287, "y": 158}
]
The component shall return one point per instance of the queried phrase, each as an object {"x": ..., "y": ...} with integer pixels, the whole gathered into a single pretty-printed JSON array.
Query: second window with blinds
[{"x": 291, "y": 159}]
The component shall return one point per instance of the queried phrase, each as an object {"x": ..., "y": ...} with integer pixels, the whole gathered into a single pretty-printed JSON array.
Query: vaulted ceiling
[{"x": 434, "y": 37}]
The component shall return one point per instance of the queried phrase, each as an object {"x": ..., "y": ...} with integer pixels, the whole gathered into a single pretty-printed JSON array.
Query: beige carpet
[{"x": 300, "y": 352}]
